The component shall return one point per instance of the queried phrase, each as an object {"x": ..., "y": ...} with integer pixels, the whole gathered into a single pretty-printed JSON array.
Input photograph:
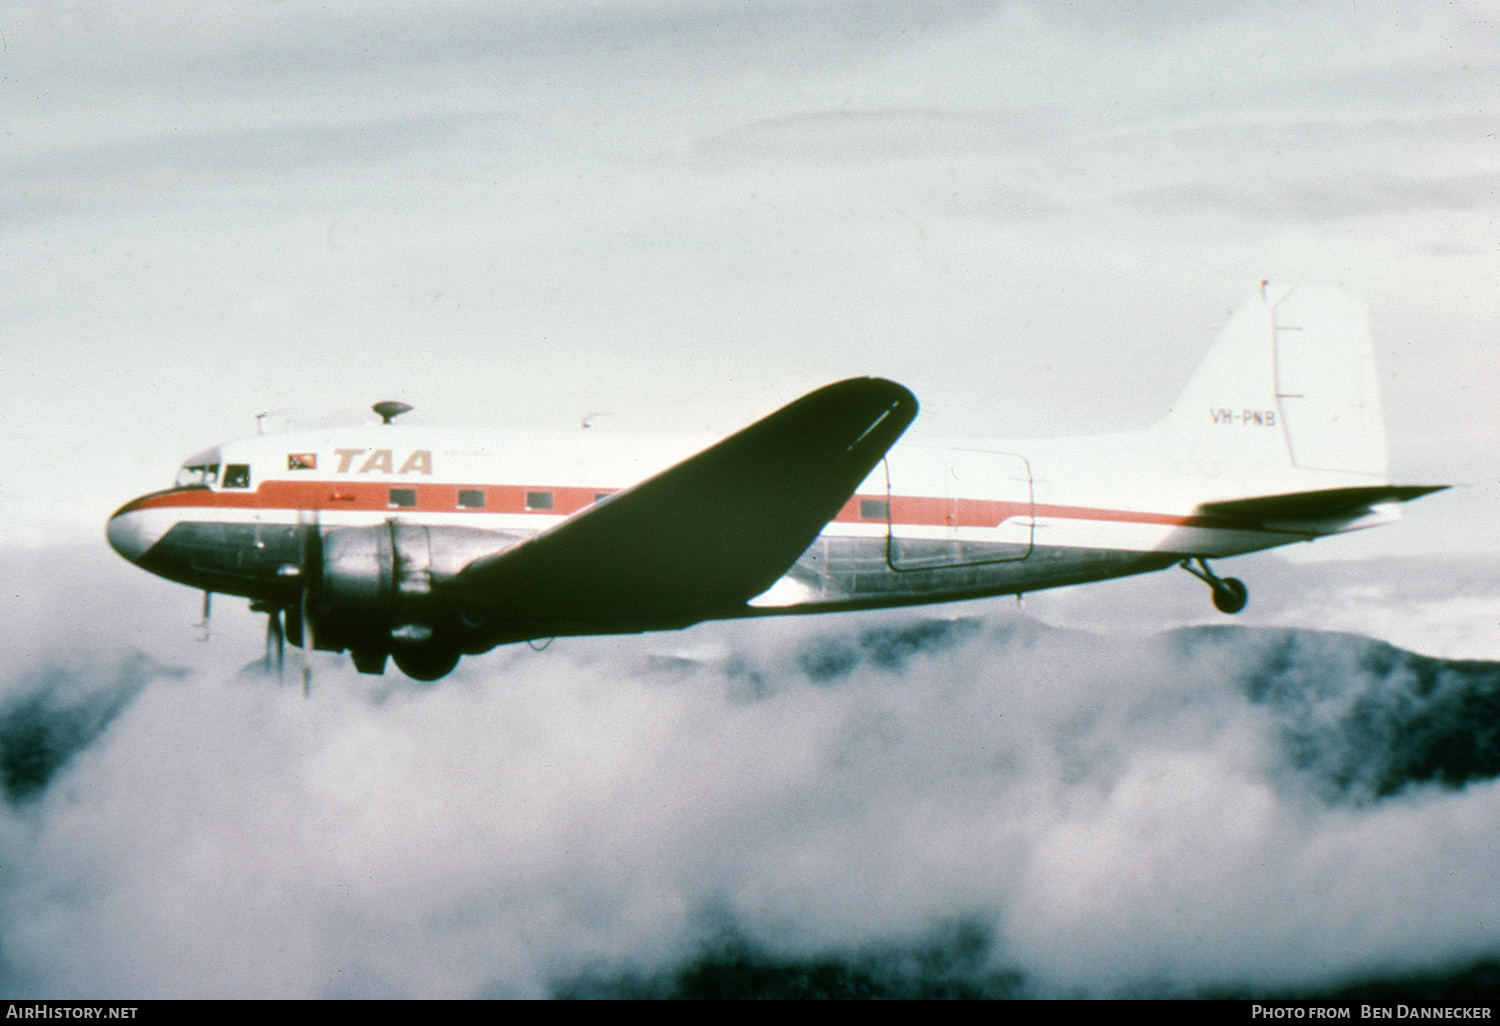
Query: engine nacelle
[
  {"x": 371, "y": 592},
  {"x": 351, "y": 597}
]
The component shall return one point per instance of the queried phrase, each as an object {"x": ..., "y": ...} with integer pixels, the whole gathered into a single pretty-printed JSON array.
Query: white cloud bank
[{"x": 1171, "y": 815}]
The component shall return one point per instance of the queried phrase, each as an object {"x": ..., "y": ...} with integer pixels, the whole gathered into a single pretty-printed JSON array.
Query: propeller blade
[
  {"x": 308, "y": 573},
  {"x": 208, "y": 608},
  {"x": 275, "y": 643},
  {"x": 307, "y": 642}
]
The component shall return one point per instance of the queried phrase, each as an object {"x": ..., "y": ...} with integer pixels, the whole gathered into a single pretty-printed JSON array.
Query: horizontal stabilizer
[
  {"x": 700, "y": 538},
  {"x": 1327, "y": 504}
]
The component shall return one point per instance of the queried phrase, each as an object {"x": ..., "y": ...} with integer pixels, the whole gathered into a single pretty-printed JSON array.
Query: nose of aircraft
[{"x": 131, "y": 532}]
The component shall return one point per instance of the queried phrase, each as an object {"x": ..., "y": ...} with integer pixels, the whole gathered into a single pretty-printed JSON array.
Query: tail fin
[{"x": 1286, "y": 400}]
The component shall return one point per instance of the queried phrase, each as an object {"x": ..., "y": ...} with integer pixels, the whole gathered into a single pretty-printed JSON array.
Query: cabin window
[
  {"x": 237, "y": 475},
  {"x": 471, "y": 498},
  {"x": 403, "y": 498},
  {"x": 539, "y": 500},
  {"x": 875, "y": 509}
]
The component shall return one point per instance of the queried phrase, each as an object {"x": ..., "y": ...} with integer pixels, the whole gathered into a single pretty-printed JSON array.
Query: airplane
[{"x": 421, "y": 545}]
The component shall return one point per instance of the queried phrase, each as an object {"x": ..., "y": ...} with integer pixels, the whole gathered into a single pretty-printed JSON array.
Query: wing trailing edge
[{"x": 700, "y": 538}]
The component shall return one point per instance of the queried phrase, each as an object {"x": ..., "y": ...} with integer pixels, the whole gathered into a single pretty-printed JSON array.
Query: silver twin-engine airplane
[{"x": 421, "y": 545}]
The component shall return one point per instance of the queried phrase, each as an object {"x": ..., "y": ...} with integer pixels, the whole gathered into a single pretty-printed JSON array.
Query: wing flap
[{"x": 701, "y": 537}]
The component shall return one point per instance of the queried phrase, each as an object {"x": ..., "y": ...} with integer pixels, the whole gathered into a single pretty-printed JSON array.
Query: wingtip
[{"x": 884, "y": 390}]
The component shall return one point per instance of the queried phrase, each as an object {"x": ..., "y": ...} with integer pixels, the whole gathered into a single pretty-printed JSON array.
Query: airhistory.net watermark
[{"x": 47, "y": 1010}]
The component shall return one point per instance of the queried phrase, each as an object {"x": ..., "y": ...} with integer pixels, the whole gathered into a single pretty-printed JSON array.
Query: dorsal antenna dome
[{"x": 389, "y": 410}]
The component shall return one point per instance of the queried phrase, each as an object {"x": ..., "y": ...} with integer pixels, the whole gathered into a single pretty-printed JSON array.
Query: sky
[
  {"x": 678, "y": 216},
  {"x": 681, "y": 215}
]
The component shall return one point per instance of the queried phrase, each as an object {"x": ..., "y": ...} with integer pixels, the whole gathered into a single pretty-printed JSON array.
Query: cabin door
[{"x": 957, "y": 507}]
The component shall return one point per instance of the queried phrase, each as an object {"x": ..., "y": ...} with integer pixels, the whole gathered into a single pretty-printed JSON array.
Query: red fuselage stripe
[{"x": 916, "y": 511}]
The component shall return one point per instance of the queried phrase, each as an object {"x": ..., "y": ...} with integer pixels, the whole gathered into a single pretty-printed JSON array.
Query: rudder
[{"x": 1325, "y": 382}]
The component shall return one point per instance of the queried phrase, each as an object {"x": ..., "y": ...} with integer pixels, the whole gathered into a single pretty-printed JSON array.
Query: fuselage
[{"x": 932, "y": 522}]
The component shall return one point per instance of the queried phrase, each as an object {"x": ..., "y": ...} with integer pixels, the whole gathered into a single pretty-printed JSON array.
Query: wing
[{"x": 699, "y": 539}]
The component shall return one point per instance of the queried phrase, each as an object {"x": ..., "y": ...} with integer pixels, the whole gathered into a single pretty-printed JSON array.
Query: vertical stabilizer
[{"x": 1287, "y": 394}]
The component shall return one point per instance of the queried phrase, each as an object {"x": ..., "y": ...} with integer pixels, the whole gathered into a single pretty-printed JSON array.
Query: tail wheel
[{"x": 1230, "y": 595}]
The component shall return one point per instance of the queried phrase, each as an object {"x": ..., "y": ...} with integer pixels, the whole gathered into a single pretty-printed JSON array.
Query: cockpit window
[
  {"x": 201, "y": 470},
  {"x": 202, "y": 475},
  {"x": 237, "y": 475}
]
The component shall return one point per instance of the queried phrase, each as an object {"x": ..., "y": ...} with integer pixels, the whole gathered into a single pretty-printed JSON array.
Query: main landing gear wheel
[
  {"x": 426, "y": 662},
  {"x": 1230, "y": 593}
]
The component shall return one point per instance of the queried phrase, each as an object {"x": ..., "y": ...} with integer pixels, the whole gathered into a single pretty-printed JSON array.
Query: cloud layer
[{"x": 916, "y": 805}]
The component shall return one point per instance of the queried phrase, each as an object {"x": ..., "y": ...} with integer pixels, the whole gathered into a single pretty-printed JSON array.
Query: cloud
[
  {"x": 893, "y": 804},
  {"x": 63, "y": 709},
  {"x": 1314, "y": 201}
]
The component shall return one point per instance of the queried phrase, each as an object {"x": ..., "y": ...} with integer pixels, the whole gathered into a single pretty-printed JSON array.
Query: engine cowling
[{"x": 371, "y": 592}]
